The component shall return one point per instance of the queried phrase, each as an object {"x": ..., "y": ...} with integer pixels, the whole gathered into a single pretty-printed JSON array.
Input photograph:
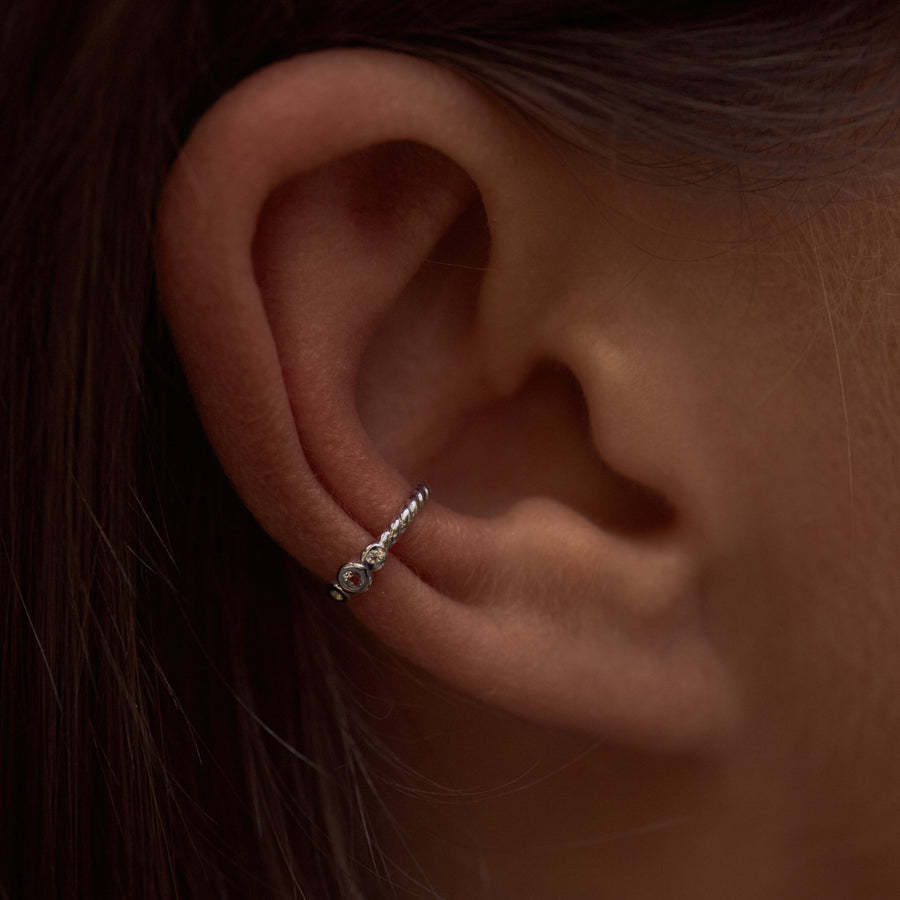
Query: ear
[{"x": 360, "y": 257}]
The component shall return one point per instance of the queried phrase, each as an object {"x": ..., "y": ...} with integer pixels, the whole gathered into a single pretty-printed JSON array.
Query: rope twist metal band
[{"x": 356, "y": 577}]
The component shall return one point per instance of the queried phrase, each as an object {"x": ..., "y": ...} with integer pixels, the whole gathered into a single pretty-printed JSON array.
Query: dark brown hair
[{"x": 171, "y": 723}]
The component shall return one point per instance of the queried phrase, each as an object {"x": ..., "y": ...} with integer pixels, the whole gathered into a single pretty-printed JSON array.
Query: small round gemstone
[
  {"x": 374, "y": 556},
  {"x": 337, "y": 594},
  {"x": 354, "y": 578}
]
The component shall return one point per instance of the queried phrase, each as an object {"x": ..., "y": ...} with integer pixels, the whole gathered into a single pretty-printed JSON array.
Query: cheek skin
[
  {"x": 795, "y": 406},
  {"x": 768, "y": 327}
]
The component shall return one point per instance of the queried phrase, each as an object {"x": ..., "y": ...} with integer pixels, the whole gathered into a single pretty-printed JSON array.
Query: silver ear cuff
[{"x": 356, "y": 577}]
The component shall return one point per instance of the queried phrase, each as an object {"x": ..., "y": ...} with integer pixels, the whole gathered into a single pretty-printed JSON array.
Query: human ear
[{"x": 359, "y": 258}]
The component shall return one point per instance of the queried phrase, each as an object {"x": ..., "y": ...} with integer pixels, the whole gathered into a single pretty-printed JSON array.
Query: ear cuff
[{"x": 356, "y": 577}]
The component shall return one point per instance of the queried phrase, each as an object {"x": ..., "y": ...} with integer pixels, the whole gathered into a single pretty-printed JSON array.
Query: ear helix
[{"x": 356, "y": 577}]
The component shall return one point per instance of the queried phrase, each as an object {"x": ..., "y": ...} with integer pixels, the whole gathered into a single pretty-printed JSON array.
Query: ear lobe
[{"x": 339, "y": 246}]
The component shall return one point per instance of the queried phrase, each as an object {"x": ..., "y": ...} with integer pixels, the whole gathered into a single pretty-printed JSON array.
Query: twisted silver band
[{"x": 356, "y": 577}]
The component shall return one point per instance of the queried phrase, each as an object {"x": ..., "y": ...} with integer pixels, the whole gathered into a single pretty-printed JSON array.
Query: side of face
[
  {"x": 658, "y": 421},
  {"x": 769, "y": 323}
]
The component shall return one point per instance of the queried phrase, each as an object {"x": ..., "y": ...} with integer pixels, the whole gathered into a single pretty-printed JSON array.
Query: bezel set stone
[
  {"x": 354, "y": 578},
  {"x": 374, "y": 557}
]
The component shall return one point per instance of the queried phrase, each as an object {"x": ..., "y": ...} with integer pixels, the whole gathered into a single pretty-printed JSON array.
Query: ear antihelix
[{"x": 356, "y": 577}]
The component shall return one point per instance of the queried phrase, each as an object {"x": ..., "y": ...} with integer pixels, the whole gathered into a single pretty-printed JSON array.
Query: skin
[
  {"x": 765, "y": 325},
  {"x": 641, "y": 642}
]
